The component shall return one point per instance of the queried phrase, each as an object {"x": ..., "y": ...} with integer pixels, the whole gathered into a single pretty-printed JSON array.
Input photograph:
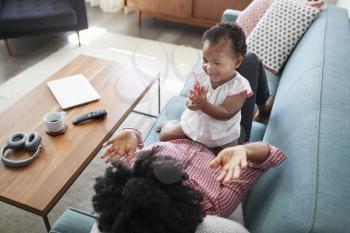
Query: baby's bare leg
[
  {"x": 160, "y": 126},
  {"x": 171, "y": 131}
]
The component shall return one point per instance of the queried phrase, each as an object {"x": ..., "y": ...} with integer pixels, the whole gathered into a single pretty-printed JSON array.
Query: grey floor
[{"x": 30, "y": 50}]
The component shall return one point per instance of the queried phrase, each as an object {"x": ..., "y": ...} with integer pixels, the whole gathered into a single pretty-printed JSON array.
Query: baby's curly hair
[
  {"x": 231, "y": 31},
  {"x": 135, "y": 200}
]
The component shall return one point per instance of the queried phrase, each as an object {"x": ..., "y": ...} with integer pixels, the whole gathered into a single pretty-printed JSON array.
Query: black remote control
[{"x": 90, "y": 116}]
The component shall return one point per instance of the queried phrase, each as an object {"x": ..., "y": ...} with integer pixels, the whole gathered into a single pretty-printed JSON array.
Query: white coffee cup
[{"x": 54, "y": 121}]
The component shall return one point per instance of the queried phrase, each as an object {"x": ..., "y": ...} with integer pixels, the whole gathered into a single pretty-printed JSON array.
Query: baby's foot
[
  {"x": 161, "y": 125},
  {"x": 263, "y": 112}
]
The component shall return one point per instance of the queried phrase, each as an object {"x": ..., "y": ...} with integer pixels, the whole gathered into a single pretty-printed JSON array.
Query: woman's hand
[
  {"x": 124, "y": 144},
  {"x": 232, "y": 160}
]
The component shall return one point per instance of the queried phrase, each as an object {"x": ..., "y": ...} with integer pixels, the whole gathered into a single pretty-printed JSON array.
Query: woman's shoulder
[
  {"x": 210, "y": 224},
  {"x": 214, "y": 224}
]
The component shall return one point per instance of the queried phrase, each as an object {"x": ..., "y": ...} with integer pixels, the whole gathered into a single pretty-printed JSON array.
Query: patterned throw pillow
[
  {"x": 279, "y": 30},
  {"x": 251, "y": 15}
]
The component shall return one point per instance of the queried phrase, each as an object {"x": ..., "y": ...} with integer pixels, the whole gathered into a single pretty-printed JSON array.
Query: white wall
[
  {"x": 345, "y": 4},
  {"x": 340, "y": 3}
]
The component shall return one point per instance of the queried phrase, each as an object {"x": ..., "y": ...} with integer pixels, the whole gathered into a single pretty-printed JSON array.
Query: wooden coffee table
[{"x": 38, "y": 187}]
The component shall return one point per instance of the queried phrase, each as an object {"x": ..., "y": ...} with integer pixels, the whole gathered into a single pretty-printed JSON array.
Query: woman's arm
[
  {"x": 257, "y": 151},
  {"x": 253, "y": 156},
  {"x": 124, "y": 144}
]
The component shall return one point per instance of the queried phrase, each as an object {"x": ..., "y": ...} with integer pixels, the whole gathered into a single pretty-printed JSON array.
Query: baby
[{"x": 214, "y": 103}]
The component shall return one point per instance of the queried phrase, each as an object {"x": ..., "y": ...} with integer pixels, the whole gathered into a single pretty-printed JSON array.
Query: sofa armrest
[
  {"x": 74, "y": 221},
  {"x": 80, "y": 8},
  {"x": 230, "y": 15}
]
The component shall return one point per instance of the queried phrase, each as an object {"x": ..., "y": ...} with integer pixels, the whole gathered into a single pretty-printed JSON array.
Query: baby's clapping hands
[{"x": 197, "y": 97}]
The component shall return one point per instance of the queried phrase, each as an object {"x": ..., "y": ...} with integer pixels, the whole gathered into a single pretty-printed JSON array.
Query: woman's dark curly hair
[
  {"x": 135, "y": 200},
  {"x": 230, "y": 31}
]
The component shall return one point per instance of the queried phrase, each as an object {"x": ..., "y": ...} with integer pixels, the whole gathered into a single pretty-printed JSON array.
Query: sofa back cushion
[{"x": 309, "y": 121}]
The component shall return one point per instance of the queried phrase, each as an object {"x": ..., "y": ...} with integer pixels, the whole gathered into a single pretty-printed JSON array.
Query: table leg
[
  {"x": 139, "y": 18},
  {"x": 147, "y": 114},
  {"x": 158, "y": 96},
  {"x": 47, "y": 223},
  {"x": 7, "y": 45}
]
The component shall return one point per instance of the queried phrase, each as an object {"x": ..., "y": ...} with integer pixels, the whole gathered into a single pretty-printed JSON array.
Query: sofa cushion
[
  {"x": 230, "y": 15},
  {"x": 172, "y": 111},
  {"x": 73, "y": 221},
  {"x": 310, "y": 191},
  {"x": 18, "y": 15},
  {"x": 273, "y": 80},
  {"x": 257, "y": 132}
]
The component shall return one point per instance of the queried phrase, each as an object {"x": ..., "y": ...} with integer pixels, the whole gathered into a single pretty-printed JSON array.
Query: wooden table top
[{"x": 37, "y": 187}]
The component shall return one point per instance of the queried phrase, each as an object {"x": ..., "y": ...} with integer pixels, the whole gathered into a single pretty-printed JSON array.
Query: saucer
[{"x": 58, "y": 132}]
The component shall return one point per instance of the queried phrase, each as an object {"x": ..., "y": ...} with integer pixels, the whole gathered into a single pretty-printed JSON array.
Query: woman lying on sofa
[{"x": 171, "y": 186}]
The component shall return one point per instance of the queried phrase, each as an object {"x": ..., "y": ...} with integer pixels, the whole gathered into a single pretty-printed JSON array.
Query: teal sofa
[{"x": 310, "y": 192}]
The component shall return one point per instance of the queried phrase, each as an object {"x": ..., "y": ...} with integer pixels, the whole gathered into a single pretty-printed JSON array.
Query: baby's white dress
[{"x": 201, "y": 127}]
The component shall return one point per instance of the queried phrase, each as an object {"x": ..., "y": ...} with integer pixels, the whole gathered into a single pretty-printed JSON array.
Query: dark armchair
[{"x": 20, "y": 18}]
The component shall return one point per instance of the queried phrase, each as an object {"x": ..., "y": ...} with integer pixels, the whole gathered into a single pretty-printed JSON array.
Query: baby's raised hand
[
  {"x": 190, "y": 104},
  {"x": 191, "y": 96},
  {"x": 124, "y": 144},
  {"x": 198, "y": 97}
]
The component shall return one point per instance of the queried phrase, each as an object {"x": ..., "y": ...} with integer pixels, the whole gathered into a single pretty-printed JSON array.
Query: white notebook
[{"x": 72, "y": 91}]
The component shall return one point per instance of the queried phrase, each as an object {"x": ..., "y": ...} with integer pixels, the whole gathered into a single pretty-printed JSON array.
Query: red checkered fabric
[{"x": 219, "y": 199}]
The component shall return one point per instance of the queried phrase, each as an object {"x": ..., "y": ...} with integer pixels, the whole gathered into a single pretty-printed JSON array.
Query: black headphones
[{"x": 17, "y": 141}]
